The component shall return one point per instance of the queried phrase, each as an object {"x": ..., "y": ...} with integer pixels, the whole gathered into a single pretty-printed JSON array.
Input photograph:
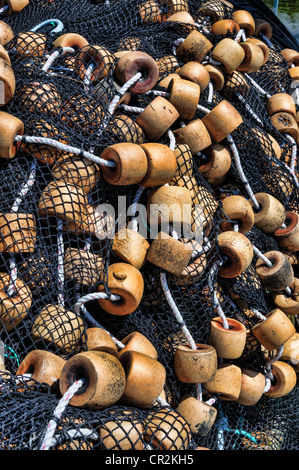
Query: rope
[
  {"x": 15, "y": 207},
  {"x": 215, "y": 300},
  {"x": 57, "y": 29},
  {"x": 60, "y": 262},
  {"x": 54, "y": 56},
  {"x": 241, "y": 172},
  {"x": 176, "y": 311},
  {"x": 64, "y": 147},
  {"x": 94, "y": 296},
  {"x": 59, "y": 410}
]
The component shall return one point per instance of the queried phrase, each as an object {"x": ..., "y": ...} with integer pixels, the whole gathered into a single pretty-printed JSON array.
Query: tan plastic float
[
  {"x": 169, "y": 7},
  {"x": 195, "y": 365},
  {"x": 131, "y": 247},
  {"x": 161, "y": 164},
  {"x": 131, "y": 164},
  {"x": 285, "y": 380},
  {"x": 167, "y": 64},
  {"x": 82, "y": 266},
  {"x": 222, "y": 120},
  {"x": 126, "y": 282},
  {"x": 216, "y": 74},
  {"x": 271, "y": 215},
  {"x": 132, "y": 63},
  {"x": 195, "y": 72},
  {"x": 56, "y": 326},
  {"x": 262, "y": 27},
  {"x": 38, "y": 97},
  {"x": 184, "y": 96},
  {"x": 169, "y": 204},
  {"x": 278, "y": 276},
  {"x": 157, "y": 118},
  {"x": 6, "y": 33},
  {"x": 167, "y": 430},
  {"x": 169, "y": 254},
  {"x": 194, "y": 48},
  {"x": 199, "y": 415},
  {"x": 229, "y": 53},
  {"x": 222, "y": 27},
  {"x": 145, "y": 379},
  {"x": 124, "y": 433},
  {"x": 136, "y": 341},
  {"x": 10, "y": 127},
  {"x": 80, "y": 172},
  {"x": 288, "y": 237},
  {"x": 238, "y": 249},
  {"x": 73, "y": 40},
  {"x": 17, "y": 232},
  {"x": 30, "y": 44},
  {"x": 252, "y": 387},
  {"x": 245, "y": 20},
  {"x": 13, "y": 308},
  {"x": 98, "y": 339},
  {"x": 44, "y": 367},
  {"x": 98, "y": 55},
  {"x": 42, "y": 152},
  {"x": 262, "y": 45},
  {"x": 103, "y": 375},
  {"x": 274, "y": 331},
  {"x": 149, "y": 12},
  {"x": 226, "y": 382},
  {"x": 288, "y": 303},
  {"x": 63, "y": 200},
  {"x": 238, "y": 210},
  {"x": 229, "y": 343},
  {"x": 194, "y": 134}
]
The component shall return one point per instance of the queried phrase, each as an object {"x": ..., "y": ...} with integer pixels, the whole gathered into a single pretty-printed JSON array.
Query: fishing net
[{"x": 62, "y": 206}]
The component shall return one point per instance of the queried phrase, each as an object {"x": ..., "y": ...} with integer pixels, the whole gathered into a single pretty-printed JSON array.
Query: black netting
[{"x": 57, "y": 236}]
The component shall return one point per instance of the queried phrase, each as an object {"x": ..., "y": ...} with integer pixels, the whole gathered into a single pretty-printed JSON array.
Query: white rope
[
  {"x": 294, "y": 153},
  {"x": 211, "y": 92},
  {"x": 258, "y": 314},
  {"x": 268, "y": 368},
  {"x": 239, "y": 35},
  {"x": 176, "y": 311},
  {"x": 60, "y": 262},
  {"x": 15, "y": 207},
  {"x": 94, "y": 296},
  {"x": 248, "y": 108},
  {"x": 134, "y": 222},
  {"x": 26, "y": 187},
  {"x": 54, "y": 56},
  {"x": 258, "y": 87},
  {"x": 132, "y": 109},
  {"x": 57, "y": 29},
  {"x": 266, "y": 40},
  {"x": 3, "y": 9},
  {"x": 202, "y": 28},
  {"x": 64, "y": 147},
  {"x": 122, "y": 91},
  {"x": 172, "y": 142},
  {"x": 215, "y": 300},
  {"x": 262, "y": 256},
  {"x": 175, "y": 44},
  {"x": 62, "y": 404},
  {"x": 88, "y": 73},
  {"x": 203, "y": 109},
  {"x": 241, "y": 172}
]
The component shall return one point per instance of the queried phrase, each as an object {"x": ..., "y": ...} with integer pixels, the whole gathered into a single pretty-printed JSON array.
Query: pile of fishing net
[{"x": 148, "y": 228}]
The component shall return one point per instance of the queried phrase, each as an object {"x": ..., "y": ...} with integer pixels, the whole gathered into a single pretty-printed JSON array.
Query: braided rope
[
  {"x": 64, "y": 147},
  {"x": 59, "y": 410}
]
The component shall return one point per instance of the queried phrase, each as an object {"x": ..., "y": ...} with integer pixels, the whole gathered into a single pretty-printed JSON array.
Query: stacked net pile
[{"x": 111, "y": 342}]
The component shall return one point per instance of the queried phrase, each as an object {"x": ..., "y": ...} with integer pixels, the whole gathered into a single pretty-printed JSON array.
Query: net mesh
[{"x": 56, "y": 247}]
